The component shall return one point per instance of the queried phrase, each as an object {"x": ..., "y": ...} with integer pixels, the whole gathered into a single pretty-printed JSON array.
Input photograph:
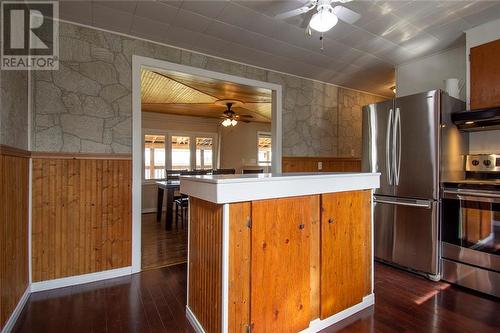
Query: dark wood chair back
[
  {"x": 224, "y": 172},
  {"x": 194, "y": 172},
  {"x": 247, "y": 171},
  {"x": 173, "y": 174}
]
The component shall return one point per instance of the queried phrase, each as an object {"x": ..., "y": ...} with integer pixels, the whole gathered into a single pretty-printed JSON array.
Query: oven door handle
[{"x": 483, "y": 194}]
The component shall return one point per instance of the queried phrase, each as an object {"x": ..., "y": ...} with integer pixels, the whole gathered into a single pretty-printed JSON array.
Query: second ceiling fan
[
  {"x": 326, "y": 15},
  {"x": 230, "y": 117}
]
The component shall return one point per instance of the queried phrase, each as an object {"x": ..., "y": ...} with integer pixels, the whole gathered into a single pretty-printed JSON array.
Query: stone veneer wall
[
  {"x": 85, "y": 106},
  {"x": 14, "y": 109},
  {"x": 350, "y": 120}
]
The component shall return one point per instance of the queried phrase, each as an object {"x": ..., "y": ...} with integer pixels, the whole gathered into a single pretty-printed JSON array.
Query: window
[
  {"x": 204, "y": 152},
  {"x": 177, "y": 151},
  {"x": 264, "y": 148},
  {"x": 154, "y": 156},
  {"x": 181, "y": 153}
]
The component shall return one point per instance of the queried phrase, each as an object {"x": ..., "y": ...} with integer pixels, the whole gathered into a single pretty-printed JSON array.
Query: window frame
[{"x": 168, "y": 147}]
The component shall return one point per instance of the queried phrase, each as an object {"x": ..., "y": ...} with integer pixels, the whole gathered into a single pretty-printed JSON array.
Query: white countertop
[{"x": 238, "y": 188}]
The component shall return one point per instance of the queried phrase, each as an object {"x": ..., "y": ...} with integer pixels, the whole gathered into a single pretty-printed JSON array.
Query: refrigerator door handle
[
  {"x": 388, "y": 157},
  {"x": 397, "y": 145},
  {"x": 416, "y": 203}
]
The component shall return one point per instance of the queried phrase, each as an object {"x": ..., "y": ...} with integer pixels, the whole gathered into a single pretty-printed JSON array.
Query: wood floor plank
[{"x": 404, "y": 302}]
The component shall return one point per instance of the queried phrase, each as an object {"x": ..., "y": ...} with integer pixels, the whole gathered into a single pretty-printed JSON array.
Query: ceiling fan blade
[
  {"x": 307, "y": 18},
  {"x": 244, "y": 116},
  {"x": 295, "y": 12},
  {"x": 345, "y": 14}
]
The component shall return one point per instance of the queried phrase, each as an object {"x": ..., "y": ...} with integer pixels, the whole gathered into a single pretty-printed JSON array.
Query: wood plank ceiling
[{"x": 184, "y": 94}]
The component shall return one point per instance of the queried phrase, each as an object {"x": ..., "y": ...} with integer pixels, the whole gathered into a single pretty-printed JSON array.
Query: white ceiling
[{"x": 360, "y": 56}]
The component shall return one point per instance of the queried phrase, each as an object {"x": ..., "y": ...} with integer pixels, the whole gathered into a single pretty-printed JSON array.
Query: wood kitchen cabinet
[
  {"x": 345, "y": 250},
  {"x": 485, "y": 75},
  {"x": 281, "y": 246},
  {"x": 274, "y": 262}
]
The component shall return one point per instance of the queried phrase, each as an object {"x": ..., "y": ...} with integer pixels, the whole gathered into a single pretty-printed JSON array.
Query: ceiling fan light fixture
[
  {"x": 324, "y": 19},
  {"x": 226, "y": 122},
  {"x": 233, "y": 122}
]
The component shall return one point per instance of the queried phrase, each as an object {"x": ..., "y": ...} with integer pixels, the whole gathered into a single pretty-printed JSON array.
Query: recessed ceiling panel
[{"x": 189, "y": 95}]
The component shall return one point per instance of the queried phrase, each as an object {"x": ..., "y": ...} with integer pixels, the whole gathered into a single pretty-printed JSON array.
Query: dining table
[{"x": 170, "y": 186}]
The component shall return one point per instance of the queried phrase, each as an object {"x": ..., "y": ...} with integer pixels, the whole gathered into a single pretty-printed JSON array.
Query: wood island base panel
[{"x": 298, "y": 261}]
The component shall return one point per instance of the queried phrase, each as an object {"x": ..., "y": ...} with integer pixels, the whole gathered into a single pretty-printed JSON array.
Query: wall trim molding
[
  {"x": 13, "y": 151},
  {"x": 194, "y": 321},
  {"x": 318, "y": 324},
  {"x": 80, "y": 156},
  {"x": 9, "y": 324},
  {"x": 80, "y": 279},
  {"x": 322, "y": 158}
]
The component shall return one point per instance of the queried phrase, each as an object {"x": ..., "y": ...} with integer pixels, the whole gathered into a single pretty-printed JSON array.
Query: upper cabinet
[{"x": 485, "y": 76}]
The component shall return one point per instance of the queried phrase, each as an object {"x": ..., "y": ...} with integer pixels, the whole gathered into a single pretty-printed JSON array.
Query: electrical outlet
[{"x": 320, "y": 165}]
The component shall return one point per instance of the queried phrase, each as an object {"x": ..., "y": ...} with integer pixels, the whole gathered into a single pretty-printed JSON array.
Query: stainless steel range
[{"x": 470, "y": 226}]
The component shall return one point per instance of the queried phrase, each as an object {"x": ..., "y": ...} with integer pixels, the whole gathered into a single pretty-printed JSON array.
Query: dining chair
[
  {"x": 248, "y": 171},
  {"x": 194, "y": 172},
  {"x": 182, "y": 203},
  {"x": 224, "y": 172}
]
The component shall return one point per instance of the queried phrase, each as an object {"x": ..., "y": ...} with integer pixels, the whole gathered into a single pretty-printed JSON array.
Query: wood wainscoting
[
  {"x": 310, "y": 164},
  {"x": 14, "y": 261},
  {"x": 81, "y": 214},
  {"x": 205, "y": 263}
]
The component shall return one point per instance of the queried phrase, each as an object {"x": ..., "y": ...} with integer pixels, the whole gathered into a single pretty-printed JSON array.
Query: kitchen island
[{"x": 278, "y": 252}]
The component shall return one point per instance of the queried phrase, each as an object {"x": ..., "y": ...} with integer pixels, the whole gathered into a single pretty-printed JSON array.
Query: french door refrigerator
[{"x": 412, "y": 142}]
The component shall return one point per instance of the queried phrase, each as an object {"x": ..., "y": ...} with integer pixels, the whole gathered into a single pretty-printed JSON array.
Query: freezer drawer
[
  {"x": 416, "y": 234},
  {"x": 406, "y": 232}
]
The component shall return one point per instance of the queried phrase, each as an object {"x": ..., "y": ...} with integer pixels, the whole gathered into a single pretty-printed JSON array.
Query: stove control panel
[{"x": 482, "y": 163}]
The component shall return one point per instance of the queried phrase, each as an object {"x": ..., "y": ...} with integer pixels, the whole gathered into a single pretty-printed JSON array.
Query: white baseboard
[
  {"x": 315, "y": 325},
  {"x": 80, "y": 279},
  {"x": 318, "y": 324},
  {"x": 9, "y": 324},
  {"x": 194, "y": 321}
]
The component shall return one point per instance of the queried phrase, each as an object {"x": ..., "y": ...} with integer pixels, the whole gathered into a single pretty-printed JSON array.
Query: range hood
[{"x": 477, "y": 120}]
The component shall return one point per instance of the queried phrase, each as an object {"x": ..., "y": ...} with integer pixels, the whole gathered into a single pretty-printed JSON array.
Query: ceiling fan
[
  {"x": 230, "y": 117},
  {"x": 326, "y": 15}
]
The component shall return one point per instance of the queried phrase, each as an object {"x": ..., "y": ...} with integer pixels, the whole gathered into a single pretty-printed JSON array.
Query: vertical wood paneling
[
  {"x": 310, "y": 164},
  {"x": 239, "y": 267},
  {"x": 14, "y": 178},
  {"x": 345, "y": 250},
  {"x": 81, "y": 216},
  {"x": 281, "y": 258},
  {"x": 205, "y": 266},
  {"x": 315, "y": 256}
]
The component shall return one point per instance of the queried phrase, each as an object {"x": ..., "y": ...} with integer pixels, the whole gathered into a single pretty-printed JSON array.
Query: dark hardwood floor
[
  {"x": 154, "y": 301},
  {"x": 161, "y": 247}
]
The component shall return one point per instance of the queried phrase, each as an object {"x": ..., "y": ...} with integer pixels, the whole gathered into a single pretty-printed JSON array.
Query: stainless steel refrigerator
[{"x": 412, "y": 142}]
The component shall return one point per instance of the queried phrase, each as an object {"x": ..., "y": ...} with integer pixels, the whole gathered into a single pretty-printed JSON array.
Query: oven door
[{"x": 470, "y": 227}]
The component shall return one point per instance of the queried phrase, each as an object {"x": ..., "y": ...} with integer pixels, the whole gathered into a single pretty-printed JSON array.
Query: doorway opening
[{"x": 192, "y": 121}]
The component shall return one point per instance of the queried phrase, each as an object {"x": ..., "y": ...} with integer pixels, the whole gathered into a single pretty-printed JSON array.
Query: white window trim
[{"x": 168, "y": 142}]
